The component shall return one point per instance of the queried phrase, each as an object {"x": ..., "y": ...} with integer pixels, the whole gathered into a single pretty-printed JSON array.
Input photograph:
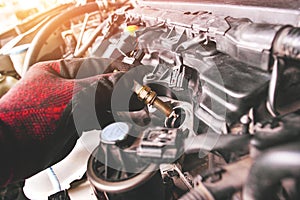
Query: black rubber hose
[
  {"x": 194, "y": 194},
  {"x": 287, "y": 43},
  {"x": 269, "y": 169},
  {"x": 50, "y": 27},
  {"x": 215, "y": 142}
]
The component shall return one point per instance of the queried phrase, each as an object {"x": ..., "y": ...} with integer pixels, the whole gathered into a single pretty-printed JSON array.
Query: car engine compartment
[{"x": 218, "y": 114}]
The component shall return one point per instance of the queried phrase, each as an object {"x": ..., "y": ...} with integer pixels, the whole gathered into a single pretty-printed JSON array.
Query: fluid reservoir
[{"x": 115, "y": 170}]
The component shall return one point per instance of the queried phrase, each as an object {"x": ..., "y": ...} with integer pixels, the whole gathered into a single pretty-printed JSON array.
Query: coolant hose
[{"x": 269, "y": 169}]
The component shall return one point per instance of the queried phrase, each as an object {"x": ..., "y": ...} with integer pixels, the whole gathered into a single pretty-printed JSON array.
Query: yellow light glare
[{"x": 39, "y": 4}]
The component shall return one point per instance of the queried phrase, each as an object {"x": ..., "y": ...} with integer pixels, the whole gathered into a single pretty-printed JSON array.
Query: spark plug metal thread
[{"x": 148, "y": 96}]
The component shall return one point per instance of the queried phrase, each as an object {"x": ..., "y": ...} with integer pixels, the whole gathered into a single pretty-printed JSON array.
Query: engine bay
[{"x": 209, "y": 108}]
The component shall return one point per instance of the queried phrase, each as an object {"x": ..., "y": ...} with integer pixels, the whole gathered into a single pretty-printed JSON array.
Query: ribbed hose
[{"x": 287, "y": 43}]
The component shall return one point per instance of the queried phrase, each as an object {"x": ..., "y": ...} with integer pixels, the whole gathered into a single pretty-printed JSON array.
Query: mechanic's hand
[{"x": 44, "y": 114}]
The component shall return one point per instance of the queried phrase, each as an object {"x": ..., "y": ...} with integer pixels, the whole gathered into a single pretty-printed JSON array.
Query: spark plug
[{"x": 148, "y": 96}]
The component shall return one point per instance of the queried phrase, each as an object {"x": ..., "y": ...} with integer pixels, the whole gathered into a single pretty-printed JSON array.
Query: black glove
[{"x": 43, "y": 115}]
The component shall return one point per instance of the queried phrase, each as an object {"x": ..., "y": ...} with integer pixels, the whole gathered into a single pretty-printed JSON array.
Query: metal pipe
[
  {"x": 80, "y": 52},
  {"x": 83, "y": 28}
]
